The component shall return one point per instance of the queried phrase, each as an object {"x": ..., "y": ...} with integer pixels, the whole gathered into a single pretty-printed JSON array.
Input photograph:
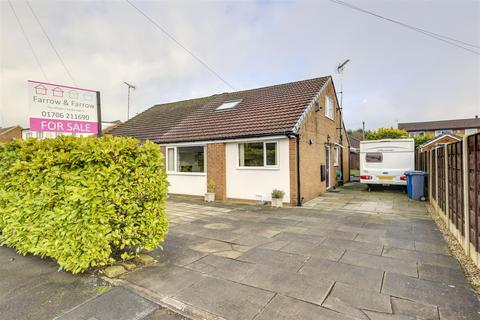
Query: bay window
[{"x": 257, "y": 154}]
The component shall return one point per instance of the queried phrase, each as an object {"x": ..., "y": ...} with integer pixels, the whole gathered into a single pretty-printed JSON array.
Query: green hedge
[{"x": 84, "y": 202}]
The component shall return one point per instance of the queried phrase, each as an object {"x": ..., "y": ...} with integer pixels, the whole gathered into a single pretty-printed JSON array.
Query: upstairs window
[
  {"x": 439, "y": 132},
  {"x": 329, "y": 108},
  {"x": 228, "y": 105},
  {"x": 257, "y": 154}
]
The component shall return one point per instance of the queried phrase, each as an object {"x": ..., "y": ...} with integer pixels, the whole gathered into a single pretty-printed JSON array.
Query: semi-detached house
[{"x": 289, "y": 137}]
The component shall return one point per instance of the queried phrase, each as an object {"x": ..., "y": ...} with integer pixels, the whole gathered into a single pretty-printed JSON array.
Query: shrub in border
[{"x": 84, "y": 202}]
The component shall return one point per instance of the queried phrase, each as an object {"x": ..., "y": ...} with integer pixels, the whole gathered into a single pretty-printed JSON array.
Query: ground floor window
[
  {"x": 186, "y": 159},
  {"x": 257, "y": 154}
]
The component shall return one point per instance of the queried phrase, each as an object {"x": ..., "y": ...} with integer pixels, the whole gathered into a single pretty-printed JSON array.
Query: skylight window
[{"x": 228, "y": 105}]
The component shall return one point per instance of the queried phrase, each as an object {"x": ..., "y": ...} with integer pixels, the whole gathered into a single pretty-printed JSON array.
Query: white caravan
[{"x": 385, "y": 161}]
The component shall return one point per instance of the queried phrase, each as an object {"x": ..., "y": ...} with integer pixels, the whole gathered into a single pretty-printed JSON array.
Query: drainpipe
[{"x": 299, "y": 198}]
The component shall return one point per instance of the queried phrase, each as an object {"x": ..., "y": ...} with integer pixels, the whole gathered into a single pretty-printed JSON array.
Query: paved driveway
[{"x": 346, "y": 255}]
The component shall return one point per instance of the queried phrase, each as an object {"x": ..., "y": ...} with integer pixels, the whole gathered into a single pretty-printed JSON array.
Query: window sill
[
  {"x": 333, "y": 119},
  {"x": 186, "y": 173},
  {"x": 259, "y": 168}
]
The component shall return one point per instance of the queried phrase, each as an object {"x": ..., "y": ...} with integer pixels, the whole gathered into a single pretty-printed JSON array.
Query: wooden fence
[{"x": 454, "y": 189}]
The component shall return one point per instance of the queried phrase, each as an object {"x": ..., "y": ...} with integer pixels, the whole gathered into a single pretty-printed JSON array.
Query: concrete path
[
  {"x": 347, "y": 255},
  {"x": 32, "y": 289}
]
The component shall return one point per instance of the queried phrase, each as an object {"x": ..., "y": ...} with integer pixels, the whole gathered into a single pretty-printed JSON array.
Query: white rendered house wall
[{"x": 251, "y": 182}]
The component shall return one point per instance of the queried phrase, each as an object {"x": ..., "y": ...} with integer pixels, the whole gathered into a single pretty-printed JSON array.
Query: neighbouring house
[
  {"x": 435, "y": 128},
  {"x": 10, "y": 133},
  {"x": 289, "y": 137},
  {"x": 27, "y": 133},
  {"x": 440, "y": 139}
]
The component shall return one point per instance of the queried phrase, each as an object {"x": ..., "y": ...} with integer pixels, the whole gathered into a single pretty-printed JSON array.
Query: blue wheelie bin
[{"x": 416, "y": 184}]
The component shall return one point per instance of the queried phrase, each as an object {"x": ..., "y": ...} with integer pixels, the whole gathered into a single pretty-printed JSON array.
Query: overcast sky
[{"x": 395, "y": 74}]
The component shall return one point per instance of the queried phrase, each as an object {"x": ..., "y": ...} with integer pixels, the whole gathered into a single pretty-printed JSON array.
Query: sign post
[{"x": 58, "y": 108}]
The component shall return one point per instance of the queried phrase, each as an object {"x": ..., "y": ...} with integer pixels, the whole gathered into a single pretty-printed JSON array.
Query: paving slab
[
  {"x": 285, "y": 308},
  {"x": 303, "y": 287},
  {"x": 117, "y": 304},
  {"x": 370, "y": 248},
  {"x": 313, "y": 250},
  {"x": 414, "y": 309},
  {"x": 163, "y": 280},
  {"x": 442, "y": 274},
  {"x": 385, "y": 316},
  {"x": 361, "y": 299},
  {"x": 362, "y": 277},
  {"x": 381, "y": 263},
  {"x": 433, "y": 293},
  {"x": 390, "y": 242},
  {"x": 288, "y": 261},
  {"x": 226, "y": 298},
  {"x": 422, "y": 257},
  {"x": 222, "y": 267}
]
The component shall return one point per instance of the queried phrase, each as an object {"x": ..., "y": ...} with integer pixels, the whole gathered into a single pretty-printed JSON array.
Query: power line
[
  {"x": 164, "y": 31},
  {"x": 452, "y": 41},
  {"x": 51, "y": 43},
  {"x": 28, "y": 40}
]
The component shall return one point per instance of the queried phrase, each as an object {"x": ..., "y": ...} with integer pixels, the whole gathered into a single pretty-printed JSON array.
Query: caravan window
[{"x": 374, "y": 157}]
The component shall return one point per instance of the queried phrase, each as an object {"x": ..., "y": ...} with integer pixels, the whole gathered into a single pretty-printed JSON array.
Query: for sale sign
[{"x": 60, "y": 108}]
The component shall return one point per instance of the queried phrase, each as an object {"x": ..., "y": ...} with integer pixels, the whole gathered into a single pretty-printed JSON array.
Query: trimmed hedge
[{"x": 84, "y": 202}]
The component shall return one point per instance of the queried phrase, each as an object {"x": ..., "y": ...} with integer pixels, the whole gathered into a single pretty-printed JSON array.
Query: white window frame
[
  {"x": 336, "y": 156},
  {"x": 175, "y": 160},
  {"x": 265, "y": 166},
  {"x": 227, "y": 105},
  {"x": 439, "y": 132},
  {"x": 417, "y": 133},
  {"x": 329, "y": 108}
]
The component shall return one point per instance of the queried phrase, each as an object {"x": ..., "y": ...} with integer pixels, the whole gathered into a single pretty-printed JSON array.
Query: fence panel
[
  {"x": 455, "y": 186},
  {"x": 434, "y": 174},
  {"x": 441, "y": 178},
  {"x": 473, "y": 152}
]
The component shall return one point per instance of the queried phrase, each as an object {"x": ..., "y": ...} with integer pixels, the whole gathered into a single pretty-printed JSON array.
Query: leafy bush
[
  {"x": 386, "y": 133},
  {"x": 419, "y": 140},
  {"x": 277, "y": 194},
  {"x": 84, "y": 202},
  {"x": 211, "y": 185}
]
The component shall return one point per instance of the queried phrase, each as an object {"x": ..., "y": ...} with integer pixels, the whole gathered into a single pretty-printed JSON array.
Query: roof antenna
[
  {"x": 340, "y": 68},
  {"x": 130, "y": 86}
]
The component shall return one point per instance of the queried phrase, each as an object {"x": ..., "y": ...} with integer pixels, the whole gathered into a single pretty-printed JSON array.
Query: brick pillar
[
  {"x": 292, "y": 147},
  {"x": 163, "y": 150},
  {"x": 216, "y": 169}
]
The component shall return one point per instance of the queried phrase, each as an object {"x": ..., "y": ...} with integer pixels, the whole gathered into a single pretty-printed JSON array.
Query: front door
[{"x": 327, "y": 166}]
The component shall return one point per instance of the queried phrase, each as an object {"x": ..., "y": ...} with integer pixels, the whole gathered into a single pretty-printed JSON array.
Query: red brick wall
[
  {"x": 216, "y": 168},
  {"x": 163, "y": 150},
  {"x": 314, "y": 131},
  {"x": 293, "y": 171},
  {"x": 15, "y": 133}
]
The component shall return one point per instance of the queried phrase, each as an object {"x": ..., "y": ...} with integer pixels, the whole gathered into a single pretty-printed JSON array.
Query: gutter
[
  {"x": 299, "y": 198},
  {"x": 297, "y": 140}
]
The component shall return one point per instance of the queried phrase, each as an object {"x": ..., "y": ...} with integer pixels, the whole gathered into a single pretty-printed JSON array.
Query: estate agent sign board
[{"x": 58, "y": 108}]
